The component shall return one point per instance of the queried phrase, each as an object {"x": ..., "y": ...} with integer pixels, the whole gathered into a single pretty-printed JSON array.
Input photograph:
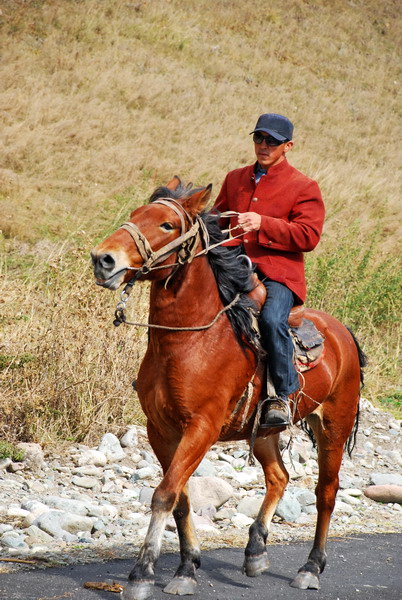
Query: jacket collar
[{"x": 272, "y": 171}]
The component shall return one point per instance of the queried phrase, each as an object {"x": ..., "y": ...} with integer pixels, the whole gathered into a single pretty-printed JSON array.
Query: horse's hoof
[
  {"x": 181, "y": 586},
  {"x": 137, "y": 591},
  {"x": 255, "y": 565},
  {"x": 306, "y": 581}
]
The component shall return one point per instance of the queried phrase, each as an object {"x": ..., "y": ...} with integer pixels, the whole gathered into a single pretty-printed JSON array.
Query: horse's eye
[{"x": 167, "y": 226}]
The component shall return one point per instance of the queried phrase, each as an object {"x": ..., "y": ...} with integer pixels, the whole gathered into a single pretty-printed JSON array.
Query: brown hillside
[{"x": 100, "y": 102}]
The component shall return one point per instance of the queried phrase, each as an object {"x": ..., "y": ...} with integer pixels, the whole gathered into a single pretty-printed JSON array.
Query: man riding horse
[{"x": 282, "y": 214}]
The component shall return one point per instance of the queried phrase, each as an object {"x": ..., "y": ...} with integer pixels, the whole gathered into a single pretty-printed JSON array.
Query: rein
[
  {"x": 185, "y": 244},
  {"x": 122, "y": 319}
]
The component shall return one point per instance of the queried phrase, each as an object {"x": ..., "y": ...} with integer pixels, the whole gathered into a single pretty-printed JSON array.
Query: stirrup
[{"x": 276, "y": 414}]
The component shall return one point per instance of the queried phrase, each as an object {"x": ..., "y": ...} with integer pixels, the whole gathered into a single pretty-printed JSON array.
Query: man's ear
[
  {"x": 288, "y": 146},
  {"x": 197, "y": 202}
]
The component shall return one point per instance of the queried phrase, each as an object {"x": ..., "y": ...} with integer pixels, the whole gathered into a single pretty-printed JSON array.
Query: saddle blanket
[{"x": 309, "y": 345}]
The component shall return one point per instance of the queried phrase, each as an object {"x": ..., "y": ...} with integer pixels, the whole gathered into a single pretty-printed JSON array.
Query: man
[{"x": 281, "y": 213}]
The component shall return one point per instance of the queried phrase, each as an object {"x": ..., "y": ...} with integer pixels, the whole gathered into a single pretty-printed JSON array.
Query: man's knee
[{"x": 272, "y": 322}]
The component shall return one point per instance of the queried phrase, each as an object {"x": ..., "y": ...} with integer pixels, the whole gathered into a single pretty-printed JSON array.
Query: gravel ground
[{"x": 111, "y": 507}]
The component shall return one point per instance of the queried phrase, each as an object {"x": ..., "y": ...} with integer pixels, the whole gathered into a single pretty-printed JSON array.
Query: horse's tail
[
  {"x": 362, "y": 356},
  {"x": 351, "y": 442}
]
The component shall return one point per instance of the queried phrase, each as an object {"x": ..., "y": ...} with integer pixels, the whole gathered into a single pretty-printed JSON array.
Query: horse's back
[
  {"x": 337, "y": 337},
  {"x": 335, "y": 381}
]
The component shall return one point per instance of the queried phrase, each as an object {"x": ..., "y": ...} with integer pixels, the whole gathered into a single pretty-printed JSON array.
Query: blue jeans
[{"x": 276, "y": 338}]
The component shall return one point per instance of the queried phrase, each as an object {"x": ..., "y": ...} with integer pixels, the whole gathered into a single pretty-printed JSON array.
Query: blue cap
[{"x": 276, "y": 125}]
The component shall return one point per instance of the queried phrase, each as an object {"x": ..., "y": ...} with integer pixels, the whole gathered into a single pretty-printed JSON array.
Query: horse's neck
[{"x": 191, "y": 294}]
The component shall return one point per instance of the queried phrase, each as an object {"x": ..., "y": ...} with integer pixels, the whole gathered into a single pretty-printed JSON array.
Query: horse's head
[{"x": 147, "y": 242}]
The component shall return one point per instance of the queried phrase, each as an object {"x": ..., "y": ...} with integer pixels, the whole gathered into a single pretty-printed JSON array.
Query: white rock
[
  {"x": 224, "y": 513},
  {"x": 16, "y": 511},
  {"x": 394, "y": 456},
  {"x": 208, "y": 490},
  {"x": 84, "y": 482},
  {"x": 353, "y": 492},
  {"x": 304, "y": 519},
  {"x": 5, "y": 527},
  {"x": 135, "y": 457},
  {"x": 111, "y": 448},
  {"x": 38, "y": 549},
  {"x": 35, "y": 487},
  {"x": 145, "y": 473},
  {"x": 239, "y": 520},
  {"x": 16, "y": 466},
  {"x": 92, "y": 457},
  {"x": 77, "y": 507},
  {"x": 89, "y": 470},
  {"x": 238, "y": 464},
  {"x": 57, "y": 523},
  {"x": 304, "y": 496},
  {"x": 33, "y": 456},
  {"x": 225, "y": 457},
  {"x": 247, "y": 476},
  {"x": 250, "y": 506},
  {"x": 386, "y": 479},
  {"x": 12, "y": 539},
  {"x": 108, "y": 488},
  {"x": 224, "y": 469},
  {"x": 34, "y": 505},
  {"x": 107, "y": 510},
  {"x": 348, "y": 499},
  {"x": 288, "y": 509},
  {"x": 343, "y": 507},
  {"x": 209, "y": 529},
  {"x": 130, "y": 438},
  {"x": 296, "y": 471},
  {"x": 35, "y": 535},
  {"x": 5, "y": 463}
]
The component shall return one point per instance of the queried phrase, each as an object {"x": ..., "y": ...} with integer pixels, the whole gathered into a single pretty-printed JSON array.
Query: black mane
[{"x": 233, "y": 275}]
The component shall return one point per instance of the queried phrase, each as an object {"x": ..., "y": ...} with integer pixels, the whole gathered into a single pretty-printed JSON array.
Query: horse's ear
[
  {"x": 174, "y": 183},
  {"x": 198, "y": 201}
]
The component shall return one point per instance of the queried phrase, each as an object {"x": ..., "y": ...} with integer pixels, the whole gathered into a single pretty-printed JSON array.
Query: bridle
[
  {"x": 184, "y": 242},
  {"x": 186, "y": 248}
]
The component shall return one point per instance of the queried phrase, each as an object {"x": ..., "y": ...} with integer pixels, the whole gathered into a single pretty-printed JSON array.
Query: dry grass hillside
[{"x": 100, "y": 102}]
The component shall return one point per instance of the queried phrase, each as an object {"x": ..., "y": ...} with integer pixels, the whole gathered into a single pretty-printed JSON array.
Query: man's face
[{"x": 268, "y": 156}]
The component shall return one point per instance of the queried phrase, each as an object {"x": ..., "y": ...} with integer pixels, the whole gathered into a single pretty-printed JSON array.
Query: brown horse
[{"x": 192, "y": 379}]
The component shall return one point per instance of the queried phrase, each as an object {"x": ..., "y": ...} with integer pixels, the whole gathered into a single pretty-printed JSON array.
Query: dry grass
[{"x": 101, "y": 102}]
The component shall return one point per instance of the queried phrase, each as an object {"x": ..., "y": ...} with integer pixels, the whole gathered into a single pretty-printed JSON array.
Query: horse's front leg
[
  {"x": 267, "y": 452},
  {"x": 169, "y": 495},
  {"x": 184, "y": 581}
]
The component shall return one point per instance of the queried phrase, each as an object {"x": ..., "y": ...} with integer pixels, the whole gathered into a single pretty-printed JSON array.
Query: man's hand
[{"x": 250, "y": 221}]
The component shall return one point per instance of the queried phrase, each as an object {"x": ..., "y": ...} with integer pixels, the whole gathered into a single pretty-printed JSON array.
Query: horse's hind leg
[
  {"x": 330, "y": 443},
  {"x": 276, "y": 478}
]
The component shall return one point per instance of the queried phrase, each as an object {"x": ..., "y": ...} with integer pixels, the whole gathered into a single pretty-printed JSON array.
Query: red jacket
[{"x": 292, "y": 212}]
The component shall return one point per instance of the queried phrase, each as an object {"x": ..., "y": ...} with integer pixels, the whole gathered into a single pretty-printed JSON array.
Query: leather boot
[{"x": 276, "y": 413}]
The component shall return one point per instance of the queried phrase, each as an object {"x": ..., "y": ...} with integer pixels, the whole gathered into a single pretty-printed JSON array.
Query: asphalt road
[{"x": 361, "y": 567}]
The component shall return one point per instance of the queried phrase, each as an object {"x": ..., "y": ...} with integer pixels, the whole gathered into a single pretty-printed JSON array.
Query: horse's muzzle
[{"x": 104, "y": 266}]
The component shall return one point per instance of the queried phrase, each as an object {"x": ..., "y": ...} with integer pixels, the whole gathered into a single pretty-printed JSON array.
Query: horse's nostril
[{"x": 107, "y": 261}]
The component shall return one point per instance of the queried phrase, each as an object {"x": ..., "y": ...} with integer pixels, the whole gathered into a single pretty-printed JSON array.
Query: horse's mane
[{"x": 233, "y": 276}]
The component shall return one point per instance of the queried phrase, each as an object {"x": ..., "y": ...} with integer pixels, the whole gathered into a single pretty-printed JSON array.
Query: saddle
[{"x": 307, "y": 340}]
